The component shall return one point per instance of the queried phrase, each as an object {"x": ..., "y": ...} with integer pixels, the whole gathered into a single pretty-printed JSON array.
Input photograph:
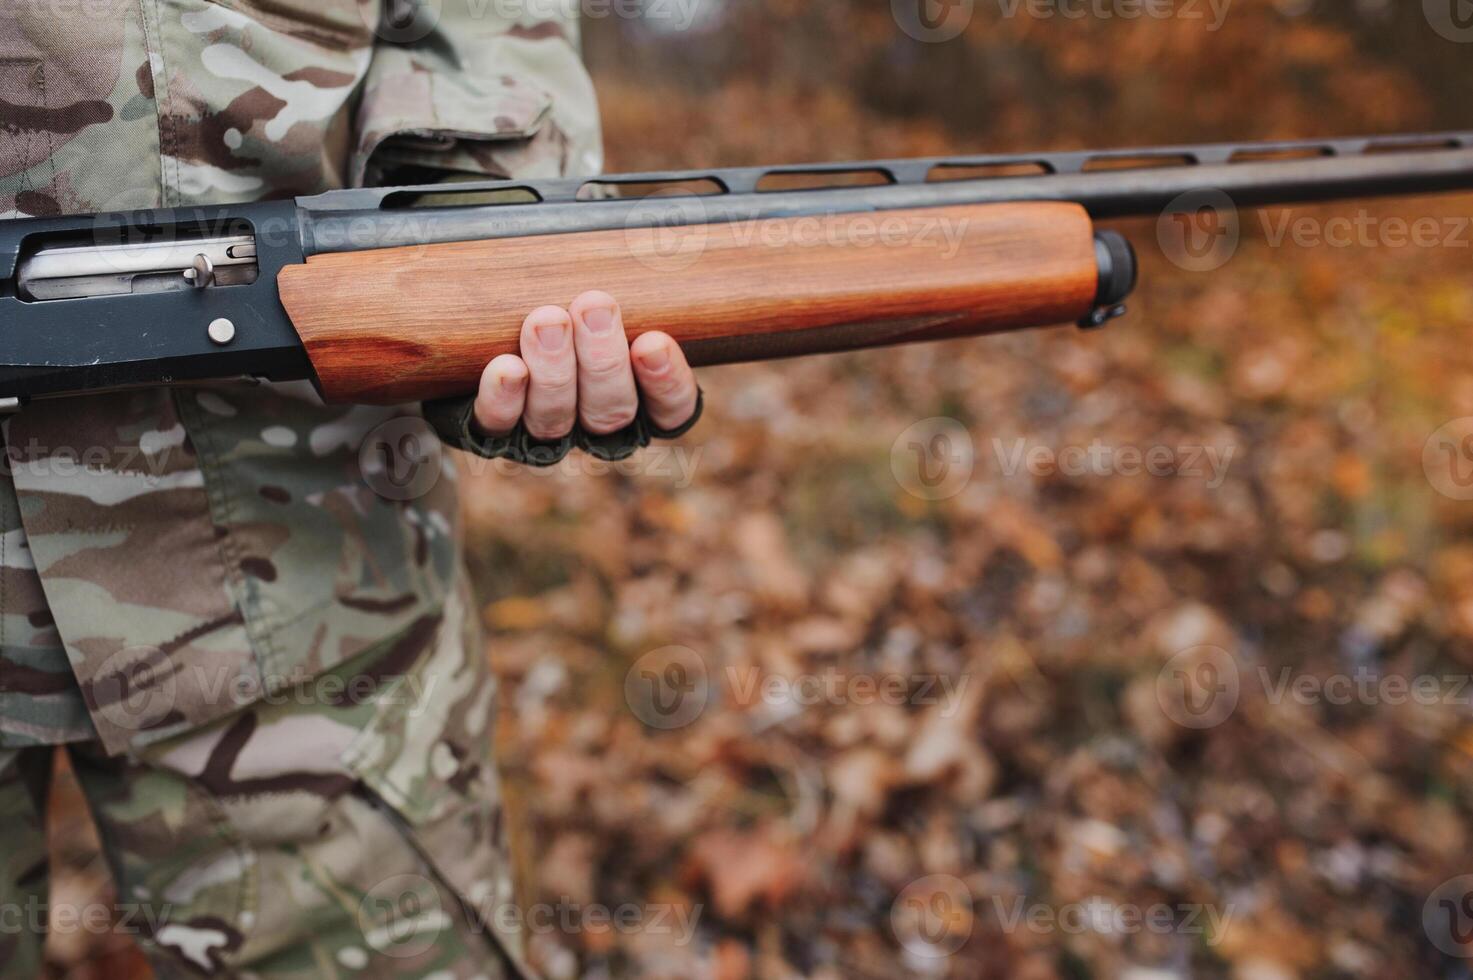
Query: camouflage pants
[{"x": 348, "y": 828}]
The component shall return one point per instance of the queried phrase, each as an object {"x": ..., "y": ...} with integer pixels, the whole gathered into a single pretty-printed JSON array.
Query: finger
[
  {"x": 665, "y": 378},
  {"x": 552, "y": 392},
  {"x": 502, "y": 395},
  {"x": 607, "y": 399}
]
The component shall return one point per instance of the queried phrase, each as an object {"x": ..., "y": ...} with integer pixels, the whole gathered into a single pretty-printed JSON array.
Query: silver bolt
[
  {"x": 202, "y": 272},
  {"x": 222, "y": 331}
]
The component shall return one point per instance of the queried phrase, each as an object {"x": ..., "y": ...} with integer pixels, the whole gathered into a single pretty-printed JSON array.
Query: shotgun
[{"x": 386, "y": 295}]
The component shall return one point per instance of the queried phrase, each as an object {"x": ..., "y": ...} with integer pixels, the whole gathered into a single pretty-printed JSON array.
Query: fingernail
[
  {"x": 552, "y": 337},
  {"x": 656, "y": 360},
  {"x": 513, "y": 383},
  {"x": 599, "y": 320}
]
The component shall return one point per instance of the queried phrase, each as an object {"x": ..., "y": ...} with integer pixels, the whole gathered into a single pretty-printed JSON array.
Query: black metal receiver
[{"x": 162, "y": 297}]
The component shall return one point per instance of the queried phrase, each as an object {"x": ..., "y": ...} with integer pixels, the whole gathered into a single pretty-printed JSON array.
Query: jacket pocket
[
  {"x": 426, "y": 759},
  {"x": 342, "y": 26},
  {"x": 417, "y": 126},
  {"x": 322, "y": 559}
]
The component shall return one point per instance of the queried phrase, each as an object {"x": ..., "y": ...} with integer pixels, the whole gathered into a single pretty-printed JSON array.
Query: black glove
[{"x": 453, "y": 419}]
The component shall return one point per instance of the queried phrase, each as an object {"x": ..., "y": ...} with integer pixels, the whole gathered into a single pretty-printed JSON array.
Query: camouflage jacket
[{"x": 171, "y": 555}]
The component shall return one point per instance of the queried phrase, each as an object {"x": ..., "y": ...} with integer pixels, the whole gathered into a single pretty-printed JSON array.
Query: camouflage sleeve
[{"x": 464, "y": 87}]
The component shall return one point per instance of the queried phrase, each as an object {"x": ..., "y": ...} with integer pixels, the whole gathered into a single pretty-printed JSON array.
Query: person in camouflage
[{"x": 267, "y": 675}]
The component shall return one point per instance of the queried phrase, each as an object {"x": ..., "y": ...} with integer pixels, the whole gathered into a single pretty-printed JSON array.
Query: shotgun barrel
[
  {"x": 1107, "y": 184},
  {"x": 395, "y": 294}
]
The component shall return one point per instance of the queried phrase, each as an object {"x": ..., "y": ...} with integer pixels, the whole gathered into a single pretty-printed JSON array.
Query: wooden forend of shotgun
[{"x": 408, "y": 323}]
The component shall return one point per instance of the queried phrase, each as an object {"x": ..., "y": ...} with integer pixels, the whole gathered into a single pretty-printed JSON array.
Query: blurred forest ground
[{"x": 1315, "y": 832}]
